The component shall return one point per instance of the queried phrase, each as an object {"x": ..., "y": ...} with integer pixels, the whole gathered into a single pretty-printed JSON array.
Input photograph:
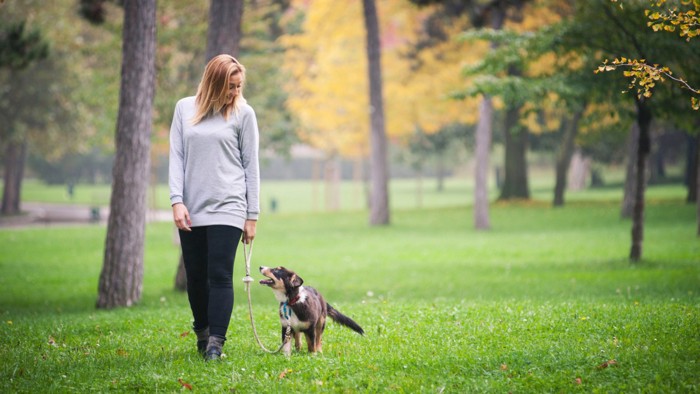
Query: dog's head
[{"x": 281, "y": 279}]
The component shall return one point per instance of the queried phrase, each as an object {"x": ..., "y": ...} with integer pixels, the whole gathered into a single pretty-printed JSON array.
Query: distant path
[{"x": 45, "y": 214}]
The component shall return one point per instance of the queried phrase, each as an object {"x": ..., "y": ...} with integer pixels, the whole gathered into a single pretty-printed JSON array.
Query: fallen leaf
[
  {"x": 504, "y": 367},
  {"x": 284, "y": 373},
  {"x": 606, "y": 364},
  {"x": 184, "y": 334},
  {"x": 184, "y": 384},
  {"x": 122, "y": 352}
]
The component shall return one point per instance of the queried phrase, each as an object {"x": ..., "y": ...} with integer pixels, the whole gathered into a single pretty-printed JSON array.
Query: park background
[{"x": 525, "y": 280}]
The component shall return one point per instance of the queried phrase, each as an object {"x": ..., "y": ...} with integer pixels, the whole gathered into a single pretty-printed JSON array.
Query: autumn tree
[
  {"x": 121, "y": 279},
  {"x": 327, "y": 82}
]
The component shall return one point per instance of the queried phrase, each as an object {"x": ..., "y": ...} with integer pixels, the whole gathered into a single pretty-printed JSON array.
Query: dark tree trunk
[
  {"x": 631, "y": 174},
  {"x": 644, "y": 147},
  {"x": 481, "y": 176},
  {"x": 691, "y": 168},
  {"x": 515, "y": 184},
  {"x": 15, "y": 158},
  {"x": 379, "y": 207},
  {"x": 566, "y": 151},
  {"x": 121, "y": 280},
  {"x": 697, "y": 183},
  {"x": 224, "y": 34}
]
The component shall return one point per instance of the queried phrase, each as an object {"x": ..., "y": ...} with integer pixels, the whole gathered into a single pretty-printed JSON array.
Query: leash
[{"x": 247, "y": 280}]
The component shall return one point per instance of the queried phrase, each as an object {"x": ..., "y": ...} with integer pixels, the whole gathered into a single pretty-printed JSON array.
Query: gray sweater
[{"x": 214, "y": 167}]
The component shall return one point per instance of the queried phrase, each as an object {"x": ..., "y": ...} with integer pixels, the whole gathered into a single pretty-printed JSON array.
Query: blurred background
[{"x": 549, "y": 115}]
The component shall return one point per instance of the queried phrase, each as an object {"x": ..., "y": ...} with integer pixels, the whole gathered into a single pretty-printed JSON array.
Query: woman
[{"x": 214, "y": 188}]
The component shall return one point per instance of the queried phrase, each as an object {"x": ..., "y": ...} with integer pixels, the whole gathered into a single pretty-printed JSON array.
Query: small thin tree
[{"x": 379, "y": 173}]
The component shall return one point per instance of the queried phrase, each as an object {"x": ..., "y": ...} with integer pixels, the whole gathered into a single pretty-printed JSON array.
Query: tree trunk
[
  {"x": 224, "y": 34},
  {"x": 697, "y": 184},
  {"x": 482, "y": 148},
  {"x": 379, "y": 207},
  {"x": 332, "y": 177},
  {"x": 121, "y": 280},
  {"x": 691, "y": 168},
  {"x": 579, "y": 171},
  {"x": 419, "y": 188},
  {"x": 481, "y": 176},
  {"x": 440, "y": 187},
  {"x": 630, "y": 175},
  {"x": 15, "y": 159},
  {"x": 515, "y": 184},
  {"x": 644, "y": 147},
  {"x": 566, "y": 152}
]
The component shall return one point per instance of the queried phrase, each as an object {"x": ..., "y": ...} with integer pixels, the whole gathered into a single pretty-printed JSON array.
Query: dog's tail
[{"x": 344, "y": 320}]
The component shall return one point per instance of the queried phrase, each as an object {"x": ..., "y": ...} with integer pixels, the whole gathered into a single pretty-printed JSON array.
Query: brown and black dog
[{"x": 302, "y": 308}]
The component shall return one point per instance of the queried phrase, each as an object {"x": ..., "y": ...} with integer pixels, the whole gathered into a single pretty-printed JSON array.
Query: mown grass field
[{"x": 544, "y": 302}]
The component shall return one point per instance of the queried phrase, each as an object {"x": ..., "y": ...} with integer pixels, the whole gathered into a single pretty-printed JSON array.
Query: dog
[{"x": 303, "y": 309}]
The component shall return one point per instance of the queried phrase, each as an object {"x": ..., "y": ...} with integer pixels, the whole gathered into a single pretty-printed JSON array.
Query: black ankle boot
[
  {"x": 213, "y": 351},
  {"x": 202, "y": 339}
]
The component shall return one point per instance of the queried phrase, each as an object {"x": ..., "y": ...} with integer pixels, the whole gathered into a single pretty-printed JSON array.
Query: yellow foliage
[{"x": 328, "y": 86}]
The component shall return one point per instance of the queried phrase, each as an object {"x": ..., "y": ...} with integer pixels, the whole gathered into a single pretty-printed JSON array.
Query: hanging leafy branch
[
  {"x": 644, "y": 76},
  {"x": 686, "y": 22}
]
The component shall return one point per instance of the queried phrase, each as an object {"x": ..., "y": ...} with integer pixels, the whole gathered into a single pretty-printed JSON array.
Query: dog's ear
[{"x": 296, "y": 280}]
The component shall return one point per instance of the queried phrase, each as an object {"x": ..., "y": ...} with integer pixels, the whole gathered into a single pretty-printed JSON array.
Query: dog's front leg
[{"x": 286, "y": 342}]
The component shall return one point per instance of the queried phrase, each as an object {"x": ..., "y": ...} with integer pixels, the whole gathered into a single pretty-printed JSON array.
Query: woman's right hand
[{"x": 182, "y": 217}]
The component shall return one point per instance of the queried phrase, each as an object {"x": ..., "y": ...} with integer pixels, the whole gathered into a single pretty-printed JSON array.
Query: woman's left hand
[{"x": 249, "y": 231}]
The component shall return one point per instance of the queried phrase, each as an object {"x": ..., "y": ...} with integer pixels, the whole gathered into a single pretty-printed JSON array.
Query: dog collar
[{"x": 294, "y": 300}]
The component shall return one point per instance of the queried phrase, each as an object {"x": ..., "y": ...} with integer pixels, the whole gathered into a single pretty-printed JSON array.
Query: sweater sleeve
[
  {"x": 176, "y": 164},
  {"x": 249, "y": 146}
]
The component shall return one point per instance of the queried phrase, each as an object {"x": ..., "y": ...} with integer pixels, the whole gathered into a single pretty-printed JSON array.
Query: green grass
[{"x": 543, "y": 299}]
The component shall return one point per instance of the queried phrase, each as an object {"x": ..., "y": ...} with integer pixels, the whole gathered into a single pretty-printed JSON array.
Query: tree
[
  {"x": 121, "y": 279},
  {"x": 379, "y": 172},
  {"x": 625, "y": 30},
  {"x": 19, "y": 49},
  {"x": 644, "y": 76},
  {"x": 327, "y": 82},
  {"x": 493, "y": 14},
  {"x": 223, "y": 36}
]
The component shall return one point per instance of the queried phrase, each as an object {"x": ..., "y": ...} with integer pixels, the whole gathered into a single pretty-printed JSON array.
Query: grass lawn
[{"x": 544, "y": 302}]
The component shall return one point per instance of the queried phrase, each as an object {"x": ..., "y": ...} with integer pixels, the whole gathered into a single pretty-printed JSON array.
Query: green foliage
[
  {"x": 545, "y": 303},
  {"x": 32, "y": 97},
  {"x": 20, "y": 47}
]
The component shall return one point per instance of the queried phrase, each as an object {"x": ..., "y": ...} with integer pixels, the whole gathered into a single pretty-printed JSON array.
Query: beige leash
[{"x": 247, "y": 280}]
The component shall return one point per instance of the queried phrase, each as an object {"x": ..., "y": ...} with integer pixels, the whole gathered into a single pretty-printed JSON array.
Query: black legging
[{"x": 209, "y": 253}]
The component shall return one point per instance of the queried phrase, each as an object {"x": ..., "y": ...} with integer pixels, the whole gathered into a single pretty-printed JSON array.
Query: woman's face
[{"x": 234, "y": 87}]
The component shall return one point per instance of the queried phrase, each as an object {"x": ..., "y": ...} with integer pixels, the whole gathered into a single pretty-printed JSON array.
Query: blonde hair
[{"x": 212, "y": 93}]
